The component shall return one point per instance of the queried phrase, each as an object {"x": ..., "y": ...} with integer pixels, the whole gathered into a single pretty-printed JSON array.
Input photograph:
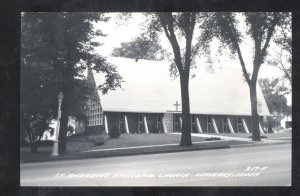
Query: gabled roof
[{"x": 147, "y": 87}]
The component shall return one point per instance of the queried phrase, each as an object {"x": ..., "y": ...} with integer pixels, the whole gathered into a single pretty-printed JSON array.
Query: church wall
[
  {"x": 132, "y": 119},
  {"x": 176, "y": 123},
  {"x": 112, "y": 119},
  {"x": 151, "y": 122},
  {"x": 248, "y": 123},
  {"x": 261, "y": 121},
  {"x": 168, "y": 118},
  {"x": 218, "y": 120},
  {"x": 202, "y": 121},
  {"x": 233, "y": 120}
]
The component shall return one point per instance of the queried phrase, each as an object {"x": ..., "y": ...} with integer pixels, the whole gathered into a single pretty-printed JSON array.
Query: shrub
[
  {"x": 156, "y": 130},
  {"x": 212, "y": 138},
  {"x": 114, "y": 132},
  {"x": 99, "y": 142},
  {"x": 262, "y": 136}
]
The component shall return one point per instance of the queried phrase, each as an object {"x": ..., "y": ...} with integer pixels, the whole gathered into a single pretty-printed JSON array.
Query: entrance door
[{"x": 168, "y": 118}]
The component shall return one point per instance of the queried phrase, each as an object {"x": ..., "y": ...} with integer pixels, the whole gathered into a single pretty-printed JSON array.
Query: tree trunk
[
  {"x": 33, "y": 147},
  {"x": 186, "y": 139},
  {"x": 62, "y": 146},
  {"x": 255, "y": 119}
]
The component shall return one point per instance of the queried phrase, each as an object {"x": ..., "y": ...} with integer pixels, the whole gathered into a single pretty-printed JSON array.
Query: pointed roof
[{"x": 148, "y": 87}]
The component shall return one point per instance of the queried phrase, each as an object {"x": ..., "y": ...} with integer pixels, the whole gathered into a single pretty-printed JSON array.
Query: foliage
[
  {"x": 56, "y": 49},
  {"x": 114, "y": 132},
  {"x": 274, "y": 94},
  {"x": 99, "y": 141},
  {"x": 261, "y": 28},
  {"x": 282, "y": 59},
  {"x": 179, "y": 30},
  {"x": 140, "y": 48}
]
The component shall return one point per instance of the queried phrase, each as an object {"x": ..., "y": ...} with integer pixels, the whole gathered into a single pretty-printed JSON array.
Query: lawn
[
  {"x": 79, "y": 143},
  {"x": 131, "y": 140}
]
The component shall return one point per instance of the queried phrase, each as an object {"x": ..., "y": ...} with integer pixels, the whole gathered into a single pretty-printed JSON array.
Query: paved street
[{"x": 268, "y": 165}]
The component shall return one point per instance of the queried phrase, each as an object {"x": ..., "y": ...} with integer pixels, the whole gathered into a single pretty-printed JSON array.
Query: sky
[{"x": 118, "y": 31}]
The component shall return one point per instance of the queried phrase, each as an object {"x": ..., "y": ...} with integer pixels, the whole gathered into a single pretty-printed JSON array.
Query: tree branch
[
  {"x": 236, "y": 43},
  {"x": 260, "y": 53},
  {"x": 270, "y": 32},
  {"x": 190, "y": 24},
  {"x": 167, "y": 23}
]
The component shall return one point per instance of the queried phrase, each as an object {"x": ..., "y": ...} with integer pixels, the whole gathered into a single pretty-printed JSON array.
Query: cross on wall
[{"x": 176, "y": 105}]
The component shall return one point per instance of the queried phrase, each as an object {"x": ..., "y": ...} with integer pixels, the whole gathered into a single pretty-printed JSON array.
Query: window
[
  {"x": 240, "y": 124},
  {"x": 209, "y": 124},
  {"x": 193, "y": 123},
  {"x": 224, "y": 124},
  {"x": 159, "y": 123},
  {"x": 141, "y": 123},
  {"x": 94, "y": 114},
  {"x": 122, "y": 123},
  {"x": 177, "y": 123}
]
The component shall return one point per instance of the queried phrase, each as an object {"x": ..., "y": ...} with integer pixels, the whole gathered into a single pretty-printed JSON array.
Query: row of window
[
  {"x": 209, "y": 124},
  {"x": 95, "y": 113},
  {"x": 141, "y": 125}
]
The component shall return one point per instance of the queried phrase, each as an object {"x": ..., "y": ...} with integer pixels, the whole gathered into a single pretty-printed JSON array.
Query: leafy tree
[
  {"x": 282, "y": 59},
  {"x": 274, "y": 94},
  {"x": 261, "y": 27},
  {"x": 179, "y": 30},
  {"x": 140, "y": 48},
  {"x": 56, "y": 49}
]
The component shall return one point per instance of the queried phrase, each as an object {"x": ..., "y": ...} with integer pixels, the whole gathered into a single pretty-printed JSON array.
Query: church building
[{"x": 150, "y": 102}]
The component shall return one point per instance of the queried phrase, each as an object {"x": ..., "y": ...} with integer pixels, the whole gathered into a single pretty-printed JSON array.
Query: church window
[
  {"x": 94, "y": 114},
  {"x": 193, "y": 124},
  {"x": 240, "y": 124},
  {"x": 122, "y": 123},
  {"x": 209, "y": 124},
  {"x": 141, "y": 123},
  {"x": 159, "y": 118},
  {"x": 224, "y": 124}
]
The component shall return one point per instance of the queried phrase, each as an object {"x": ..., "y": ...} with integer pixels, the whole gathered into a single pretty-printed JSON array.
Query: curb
[
  {"x": 120, "y": 153},
  {"x": 145, "y": 151},
  {"x": 258, "y": 144}
]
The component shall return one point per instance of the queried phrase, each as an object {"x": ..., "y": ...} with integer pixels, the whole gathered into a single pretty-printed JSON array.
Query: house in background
[
  {"x": 150, "y": 100},
  {"x": 286, "y": 122}
]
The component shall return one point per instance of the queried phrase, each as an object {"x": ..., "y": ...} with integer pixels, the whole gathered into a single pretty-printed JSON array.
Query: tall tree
[
  {"x": 261, "y": 27},
  {"x": 178, "y": 27},
  {"x": 60, "y": 47}
]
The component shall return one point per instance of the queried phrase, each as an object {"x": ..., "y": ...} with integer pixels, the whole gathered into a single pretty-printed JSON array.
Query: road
[{"x": 248, "y": 166}]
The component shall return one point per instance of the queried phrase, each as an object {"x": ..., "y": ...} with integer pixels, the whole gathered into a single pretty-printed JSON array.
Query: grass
[
  {"x": 79, "y": 143},
  {"x": 131, "y": 140}
]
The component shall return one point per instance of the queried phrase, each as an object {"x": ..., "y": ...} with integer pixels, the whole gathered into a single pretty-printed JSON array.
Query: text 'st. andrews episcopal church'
[{"x": 150, "y": 100}]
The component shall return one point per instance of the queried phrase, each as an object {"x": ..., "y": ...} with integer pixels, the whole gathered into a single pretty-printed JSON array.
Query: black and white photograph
[{"x": 155, "y": 99}]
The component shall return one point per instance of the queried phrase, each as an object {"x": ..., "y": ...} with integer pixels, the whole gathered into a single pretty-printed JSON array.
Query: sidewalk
[{"x": 247, "y": 141}]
